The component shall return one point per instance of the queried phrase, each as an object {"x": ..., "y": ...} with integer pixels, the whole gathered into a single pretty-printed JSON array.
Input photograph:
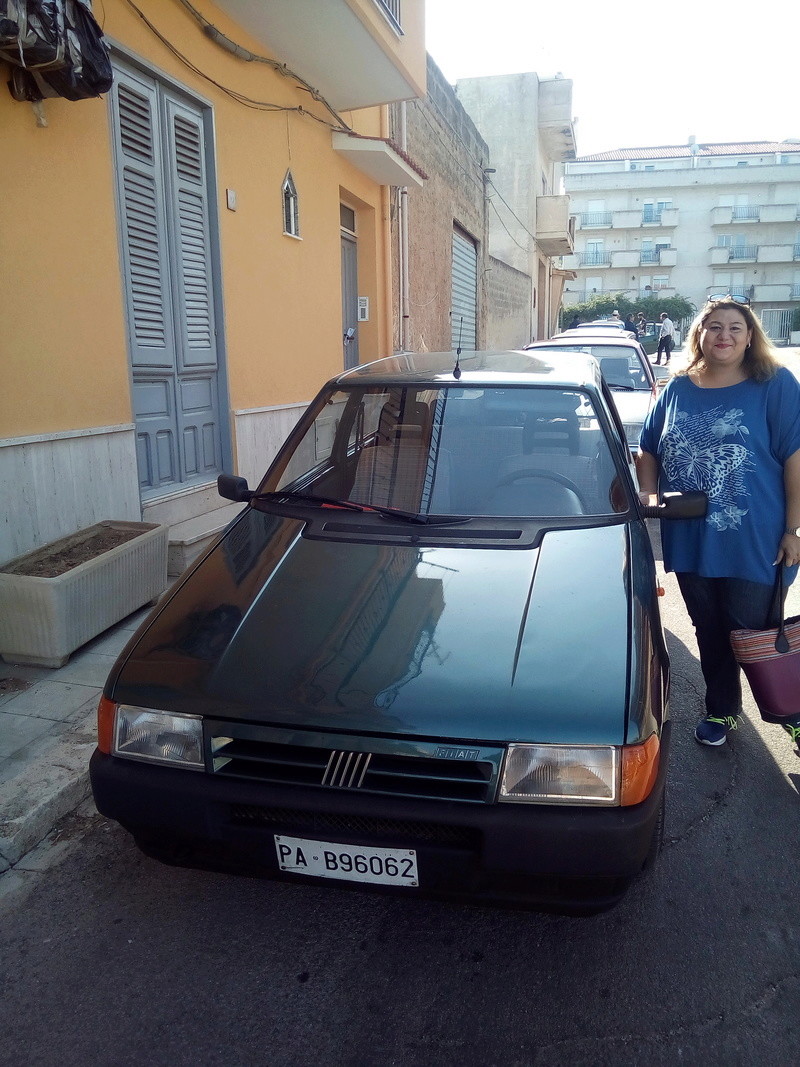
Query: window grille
[{"x": 391, "y": 9}]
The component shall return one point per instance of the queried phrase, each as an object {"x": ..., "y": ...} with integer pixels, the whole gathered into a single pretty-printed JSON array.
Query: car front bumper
[{"x": 564, "y": 858}]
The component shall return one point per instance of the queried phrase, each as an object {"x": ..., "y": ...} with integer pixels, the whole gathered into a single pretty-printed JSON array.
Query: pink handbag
[{"x": 770, "y": 659}]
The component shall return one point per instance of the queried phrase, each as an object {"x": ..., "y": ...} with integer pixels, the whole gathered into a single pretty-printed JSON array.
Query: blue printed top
[{"x": 732, "y": 443}]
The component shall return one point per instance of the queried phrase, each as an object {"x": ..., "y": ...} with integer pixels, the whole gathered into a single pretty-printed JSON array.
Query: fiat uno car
[
  {"x": 426, "y": 656},
  {"x": 625, "y": 367}
]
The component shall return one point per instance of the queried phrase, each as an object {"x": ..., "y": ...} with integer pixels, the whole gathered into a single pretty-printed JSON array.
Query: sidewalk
[{"x": 47, "y": 734}]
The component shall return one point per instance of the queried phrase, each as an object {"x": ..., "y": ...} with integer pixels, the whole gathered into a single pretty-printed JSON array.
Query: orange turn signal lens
[
  {"x": 106, "y": 718},
  {"x": 639, "y": 770}
]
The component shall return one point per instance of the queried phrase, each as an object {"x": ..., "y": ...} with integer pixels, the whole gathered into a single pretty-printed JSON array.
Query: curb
[{"x": 44, "y": 792}]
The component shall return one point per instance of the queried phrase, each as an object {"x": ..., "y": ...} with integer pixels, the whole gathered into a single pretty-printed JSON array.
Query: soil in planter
[{"x": 51, "y": 564}]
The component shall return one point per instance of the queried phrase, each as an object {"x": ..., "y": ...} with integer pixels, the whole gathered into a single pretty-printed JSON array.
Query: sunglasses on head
[{"x": 727, "y": 296}]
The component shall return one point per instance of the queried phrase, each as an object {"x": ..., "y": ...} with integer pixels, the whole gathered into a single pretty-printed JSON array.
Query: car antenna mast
[{"x": 457, "y": 368}]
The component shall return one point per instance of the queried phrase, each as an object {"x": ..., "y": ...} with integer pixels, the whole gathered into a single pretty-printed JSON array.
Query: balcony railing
[
  {"x": 795, "y": 292},
  {"x": 651, "y": 215},
  {"x": 740, "y": 291},
  {"x": 797, "y": 251},
  {"x": 649, "y": 255},
  {"x": 745, "y": 212},
  {"x": 594, "y": 259},
  {"x": 742, "y": 252},
  {"x": 595, "y": 218}
]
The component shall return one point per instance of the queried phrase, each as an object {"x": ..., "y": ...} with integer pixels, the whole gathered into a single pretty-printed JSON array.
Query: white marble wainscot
[
  {"x": 54, "y": 484},
  {"x": 260, "y": 432}
]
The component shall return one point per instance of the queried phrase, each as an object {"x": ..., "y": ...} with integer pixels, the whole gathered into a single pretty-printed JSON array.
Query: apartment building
[{"x": 690, "y": 220}]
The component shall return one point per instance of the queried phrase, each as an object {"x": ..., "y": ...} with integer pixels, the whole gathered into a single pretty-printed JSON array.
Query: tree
[{"x": 599, "y": 307}]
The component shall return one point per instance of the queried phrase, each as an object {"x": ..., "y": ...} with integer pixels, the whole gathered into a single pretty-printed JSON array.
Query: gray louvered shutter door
[
  {"x": 190, "y": 244},
  {"x": 163, "y": 199},
  {"x": 151, "y": 330},
  {"x": 463, "y": 314}
]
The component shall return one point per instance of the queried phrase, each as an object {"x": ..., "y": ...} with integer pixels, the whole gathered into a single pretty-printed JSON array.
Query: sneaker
[
  {"x": 793, "y": 730},
  {"x": 713, "y": 730}
]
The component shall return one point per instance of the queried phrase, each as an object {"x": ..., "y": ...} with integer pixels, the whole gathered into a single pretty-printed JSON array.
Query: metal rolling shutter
[{"x": 464, "y": 303}]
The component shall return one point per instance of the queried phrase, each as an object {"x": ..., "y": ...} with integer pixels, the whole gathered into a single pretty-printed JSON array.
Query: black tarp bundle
[{"x": 56, "y": 48}]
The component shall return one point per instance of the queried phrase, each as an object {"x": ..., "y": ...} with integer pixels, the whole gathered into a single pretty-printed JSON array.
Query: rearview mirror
[{"x": 692, "y": 505}]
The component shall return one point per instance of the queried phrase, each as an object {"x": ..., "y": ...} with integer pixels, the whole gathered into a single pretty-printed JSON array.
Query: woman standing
[{"x": 729, "y": 425}]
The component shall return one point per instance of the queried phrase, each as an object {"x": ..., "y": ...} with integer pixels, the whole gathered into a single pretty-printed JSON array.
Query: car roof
[
  {"x": 586, "y": 338},
  {"x": 477, "y": 369}
]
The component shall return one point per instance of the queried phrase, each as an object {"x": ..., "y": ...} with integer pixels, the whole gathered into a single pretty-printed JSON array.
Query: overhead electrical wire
[{"x": 242, "y": 98}]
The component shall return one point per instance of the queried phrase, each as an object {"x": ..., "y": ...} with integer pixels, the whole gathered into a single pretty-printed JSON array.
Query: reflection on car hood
[{"x": 464, "y": 643}]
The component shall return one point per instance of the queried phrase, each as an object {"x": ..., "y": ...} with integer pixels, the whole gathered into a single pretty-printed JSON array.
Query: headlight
[
  {"x": 561, "y": 774},
  {"x": 159, "y": 736}
]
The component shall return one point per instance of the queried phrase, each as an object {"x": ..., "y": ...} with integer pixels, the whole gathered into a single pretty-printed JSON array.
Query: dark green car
[{"x": 426, "y": 656}]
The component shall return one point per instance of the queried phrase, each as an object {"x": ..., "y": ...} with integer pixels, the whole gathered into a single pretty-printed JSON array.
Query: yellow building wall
[{"x": 65, "y": 362}]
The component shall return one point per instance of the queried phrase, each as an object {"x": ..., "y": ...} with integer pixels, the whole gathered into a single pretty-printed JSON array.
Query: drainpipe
[{"x": 405, "y": 302}]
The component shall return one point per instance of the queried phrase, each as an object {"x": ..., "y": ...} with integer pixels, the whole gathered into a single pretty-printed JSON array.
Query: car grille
[
  {"x": 394, "y": 831},
  {"x": 363, "y": 765}
]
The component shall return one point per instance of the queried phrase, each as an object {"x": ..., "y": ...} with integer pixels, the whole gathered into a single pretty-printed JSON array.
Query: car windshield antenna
[{"x": 457, "y": 368}]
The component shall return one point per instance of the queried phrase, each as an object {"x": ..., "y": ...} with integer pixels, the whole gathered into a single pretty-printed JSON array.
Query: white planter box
[
  {"x": 794, "y": 337},
  {"x": 43, "y": 620}
]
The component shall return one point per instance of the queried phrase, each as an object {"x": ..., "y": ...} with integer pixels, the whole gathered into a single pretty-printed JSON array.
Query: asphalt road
[{"x": 108, "y": 958}]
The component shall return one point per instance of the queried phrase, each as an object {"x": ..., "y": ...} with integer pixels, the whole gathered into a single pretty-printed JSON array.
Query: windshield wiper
[{"x": 352, "y": 505}]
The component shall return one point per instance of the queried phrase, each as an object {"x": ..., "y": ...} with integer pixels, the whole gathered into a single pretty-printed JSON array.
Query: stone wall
[{"x": 508, "y": 303}]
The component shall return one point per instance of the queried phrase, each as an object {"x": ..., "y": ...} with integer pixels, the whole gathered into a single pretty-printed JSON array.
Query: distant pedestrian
[
  {"x": 576, "y": 321},
  {"x": 641, "y": 323},
  {"x": 615, "y": 315},
  {"x": 665, "y": 338},
  {"x": 631, "y": 325}
]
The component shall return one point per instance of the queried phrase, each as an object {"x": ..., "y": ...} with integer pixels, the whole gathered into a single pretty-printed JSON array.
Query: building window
[
  {"x": 291, "y": 217},
  {"x": 660, "y": 281},
  {"x": 391, "y": 9},
  {"x": 741, "y": 163}
]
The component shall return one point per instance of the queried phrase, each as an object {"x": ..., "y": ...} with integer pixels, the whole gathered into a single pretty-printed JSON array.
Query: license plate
[{"x": 325, "y": 859}]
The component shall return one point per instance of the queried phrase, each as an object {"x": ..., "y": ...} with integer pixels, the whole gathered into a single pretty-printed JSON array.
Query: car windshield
[
  {"x": 447, "y": 451},
  {"x": 620, "y": 366}
]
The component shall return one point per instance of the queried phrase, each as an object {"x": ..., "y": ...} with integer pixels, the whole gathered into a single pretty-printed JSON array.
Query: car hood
[{"x": 475, "y": 643}]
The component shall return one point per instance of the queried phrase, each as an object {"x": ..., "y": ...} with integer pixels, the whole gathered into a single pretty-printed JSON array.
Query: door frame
[{"x": 119, "y": 52}]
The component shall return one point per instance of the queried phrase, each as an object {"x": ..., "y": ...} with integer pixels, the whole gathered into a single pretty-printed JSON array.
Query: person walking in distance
[
  {"x": 665, "y": 338},
  {"x": 729, "y": 425},
  {"x": 631, "y": 325}
]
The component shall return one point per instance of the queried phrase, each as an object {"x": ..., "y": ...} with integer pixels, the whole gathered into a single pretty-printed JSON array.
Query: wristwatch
[{"x": 793, "y": 530}]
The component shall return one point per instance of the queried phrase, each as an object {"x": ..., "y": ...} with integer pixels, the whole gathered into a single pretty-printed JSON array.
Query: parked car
[
  {"x": 625, "y": 367},
  {"x": 600, "y": 325},
  {"x": 426, "y": 657}
]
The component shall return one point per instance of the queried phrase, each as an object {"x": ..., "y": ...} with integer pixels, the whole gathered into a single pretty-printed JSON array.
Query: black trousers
[
  {"x": 716, "y": 606},
  {"x": 665, "y": 346}
]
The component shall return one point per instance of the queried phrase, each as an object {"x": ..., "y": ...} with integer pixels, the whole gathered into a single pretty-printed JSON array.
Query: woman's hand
[
  {"x": 650, "y": 500},
  {"x": 788, "y": 550}
]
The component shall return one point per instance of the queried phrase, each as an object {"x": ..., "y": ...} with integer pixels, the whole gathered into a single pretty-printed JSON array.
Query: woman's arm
[
  {"x": 789, "y": 548},
  {"x": 647, "y": 474}
]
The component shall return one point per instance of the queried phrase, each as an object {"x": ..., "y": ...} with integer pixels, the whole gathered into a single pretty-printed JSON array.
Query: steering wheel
[{"x": 553, "y": 476}]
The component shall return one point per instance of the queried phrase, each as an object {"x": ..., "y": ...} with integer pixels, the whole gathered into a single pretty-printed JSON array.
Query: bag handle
[{"x": 781, "y": 641}]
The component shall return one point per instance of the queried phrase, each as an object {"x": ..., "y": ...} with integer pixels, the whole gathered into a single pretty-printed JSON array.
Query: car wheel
[{"x": 657, "y": 840}]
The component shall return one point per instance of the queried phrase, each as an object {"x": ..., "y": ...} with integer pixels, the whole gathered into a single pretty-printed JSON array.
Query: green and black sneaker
[{"x": 713, "y": 729}]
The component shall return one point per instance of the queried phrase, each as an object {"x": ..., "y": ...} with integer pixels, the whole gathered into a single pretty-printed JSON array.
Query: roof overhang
[{"x": 377, "y": 159}]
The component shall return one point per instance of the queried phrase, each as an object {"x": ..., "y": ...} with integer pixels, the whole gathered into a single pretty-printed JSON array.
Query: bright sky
[{"x": 643, "y": 74}]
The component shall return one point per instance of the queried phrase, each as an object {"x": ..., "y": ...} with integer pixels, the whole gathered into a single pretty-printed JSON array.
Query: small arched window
[{"x": 291, "y": 218}]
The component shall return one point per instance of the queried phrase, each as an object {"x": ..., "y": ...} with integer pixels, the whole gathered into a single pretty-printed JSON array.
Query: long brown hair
[{"x": 760, "y": 358}]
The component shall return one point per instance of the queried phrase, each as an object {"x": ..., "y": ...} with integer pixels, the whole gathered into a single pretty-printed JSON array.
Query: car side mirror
[
  {"x": 692, "y": 505},
  {"x": 234, "y": 488}
]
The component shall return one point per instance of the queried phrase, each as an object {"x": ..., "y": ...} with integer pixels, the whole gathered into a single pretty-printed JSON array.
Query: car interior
[{"x": 516, "y": 451}]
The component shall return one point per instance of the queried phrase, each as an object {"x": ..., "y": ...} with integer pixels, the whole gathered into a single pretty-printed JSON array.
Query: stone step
[{"x": 188, "y": 539}]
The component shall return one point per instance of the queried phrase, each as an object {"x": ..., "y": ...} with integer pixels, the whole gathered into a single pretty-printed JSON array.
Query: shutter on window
[{"x": 463, "y": 321}]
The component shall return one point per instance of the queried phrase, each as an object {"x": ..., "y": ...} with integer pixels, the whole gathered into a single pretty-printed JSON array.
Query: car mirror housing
[
  {"x": 692, "y": 505},
  {"x": 233, "y": 488}
]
